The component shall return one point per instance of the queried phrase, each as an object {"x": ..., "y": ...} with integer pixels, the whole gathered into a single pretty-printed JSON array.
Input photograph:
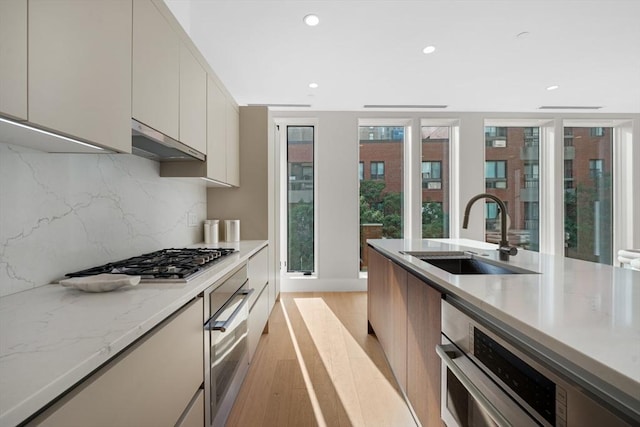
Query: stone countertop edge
[
  {"x": 586, "y": 313},
  {"x": 52, "y": 337}
]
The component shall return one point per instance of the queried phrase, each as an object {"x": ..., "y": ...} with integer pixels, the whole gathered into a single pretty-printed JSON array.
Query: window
[
  {"x": 513, "y": 175},
  {"x": 595, "y": 168},
  {"x": 492, "y": 221},
  {"x": 531, "y": 137},
  {"x": 361, "y": 171},
  {"x": 377, "y": 170},
  {"x": 431, "y": 175},
  {"x": 531, "y": 175},
  {"x": 495, "y": 173},
  {"x": 495, "y": 136},
  {"x": 300, "y": 203},
  {"x": 568, "y": 174},
  {"x": 588, "y": 208},
  {"x": 381, "y": 193}
]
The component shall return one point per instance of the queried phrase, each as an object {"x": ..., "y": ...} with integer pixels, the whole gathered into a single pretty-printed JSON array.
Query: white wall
[
  {"x": 61, "y": 213},
  {"x": 337, "y": 184}
]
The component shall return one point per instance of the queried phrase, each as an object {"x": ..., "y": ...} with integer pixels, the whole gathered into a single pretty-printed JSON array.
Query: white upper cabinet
[
  {"x": 233, "y": 144},
  {"x": 216, "y": 133},
  {"x": 79, "y": 69},
  {"x": 193, "y": 101},
  {"x": 13, "y": 58},
  {"x": 156, "y": 70}
]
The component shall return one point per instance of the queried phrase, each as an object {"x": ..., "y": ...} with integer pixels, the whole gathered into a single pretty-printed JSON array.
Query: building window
[
  {"x": 377, "y": 170},
  {"x": 495, "y": 173},
  {"x": 300, "y": 202},
  {"x": 595, "y": 168},
  {"x": 492, "y": 220},
  {"x": 568, "y": 174},
  {"x": 596, "y": 132},
  {"x": 531, "y": 137},
  {"x": 432, "y": 175},
  {"x": 361, "y": 171},
  {"x": 495, "y": 136},
  {"x": 531, "y": 175}
]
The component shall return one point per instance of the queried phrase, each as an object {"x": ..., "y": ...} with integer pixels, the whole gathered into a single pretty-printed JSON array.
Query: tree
[{"x": 300, "y": 237}]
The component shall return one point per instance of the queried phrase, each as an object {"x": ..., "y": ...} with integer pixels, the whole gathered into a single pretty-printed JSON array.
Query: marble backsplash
[{"x": 64, "y": 212}]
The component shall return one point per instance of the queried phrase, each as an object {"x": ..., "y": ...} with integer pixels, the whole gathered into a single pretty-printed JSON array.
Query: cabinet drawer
[
  {"x": 258, "y": 273},
  {"x": 258, "y": 317},
  {"x": 150, "y": 384},
  {"x": 194, "y": 415}
]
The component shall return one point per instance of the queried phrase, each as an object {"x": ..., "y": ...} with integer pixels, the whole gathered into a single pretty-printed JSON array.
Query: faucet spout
[{"x": 505, "y": 249}]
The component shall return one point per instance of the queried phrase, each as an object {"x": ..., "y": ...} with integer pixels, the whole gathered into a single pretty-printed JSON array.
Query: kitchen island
[
  {"x": 582, "y": 317},
  {"x": 52, "y": 338}
]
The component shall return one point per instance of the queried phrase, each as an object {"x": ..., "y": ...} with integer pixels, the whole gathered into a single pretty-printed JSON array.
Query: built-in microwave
[{"x": 487, "y": 381}]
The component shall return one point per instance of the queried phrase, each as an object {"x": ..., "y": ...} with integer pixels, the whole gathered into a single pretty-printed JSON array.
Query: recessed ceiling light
[
  {"x": 313, "y": 85},
  {"x": 311, "y": 20},
  {"x": 429, "y": 49},
  {"x": 553, "y": 87}
]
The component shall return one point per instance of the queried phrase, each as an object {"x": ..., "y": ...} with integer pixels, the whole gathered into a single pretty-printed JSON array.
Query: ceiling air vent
[
  {"x": 281, "y": 105},
  {"x": 403, "y": 106},
  {"x": 568, "y": 107}
]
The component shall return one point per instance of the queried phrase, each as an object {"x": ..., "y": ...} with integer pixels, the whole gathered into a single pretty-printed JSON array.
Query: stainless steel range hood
[{"x": 148, "y": 142}]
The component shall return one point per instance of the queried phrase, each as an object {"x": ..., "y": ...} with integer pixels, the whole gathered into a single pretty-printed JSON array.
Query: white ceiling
[{"x": 370, "y": 52}]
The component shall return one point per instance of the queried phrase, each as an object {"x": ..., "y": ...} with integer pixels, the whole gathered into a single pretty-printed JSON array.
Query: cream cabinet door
[
  {"x": 216, "y": 133},
  {"x": 80, "y": 69},
  {"x": 194, "y": 415},
  {"x": 150, "y": 384},
  {"x": 156, "y": 70},
  {"x": 233, "y": 144},
  {"x": 13, "y": 58},
  {"x": 193, "y": 101}
]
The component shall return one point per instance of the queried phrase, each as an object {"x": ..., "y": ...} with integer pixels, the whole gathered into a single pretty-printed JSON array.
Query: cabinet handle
[
  {"x": 477, "y": 395},
  {"x": 214, "y": 325}
]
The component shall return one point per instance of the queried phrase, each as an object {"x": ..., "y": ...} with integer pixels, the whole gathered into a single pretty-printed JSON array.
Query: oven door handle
[
  {"x": 214, "y": 325},
  {"x": 477, "y": 395}
]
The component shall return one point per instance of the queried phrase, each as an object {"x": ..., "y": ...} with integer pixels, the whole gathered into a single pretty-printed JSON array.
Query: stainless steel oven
[
  {"x": 486, "y": 381},
  {"x": 226, "y": 357}
]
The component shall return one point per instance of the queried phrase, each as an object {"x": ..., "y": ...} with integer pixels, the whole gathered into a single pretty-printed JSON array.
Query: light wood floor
[{"x": 317, "y": 366}]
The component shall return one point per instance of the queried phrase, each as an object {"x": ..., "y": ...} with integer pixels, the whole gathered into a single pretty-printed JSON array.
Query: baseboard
[{"x": 288, "y": 284}]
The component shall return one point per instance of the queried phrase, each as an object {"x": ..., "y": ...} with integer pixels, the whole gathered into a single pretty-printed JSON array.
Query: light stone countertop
[
  {"x": 52, "y": 337},
  {"x": 586, "y": 313}
]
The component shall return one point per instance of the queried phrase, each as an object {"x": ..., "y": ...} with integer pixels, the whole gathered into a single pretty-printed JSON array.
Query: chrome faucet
[{"x": 505, "y": 250}]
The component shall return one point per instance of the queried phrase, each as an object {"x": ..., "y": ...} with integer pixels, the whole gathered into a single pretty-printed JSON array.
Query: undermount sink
[{"x": 466, "y": 263}]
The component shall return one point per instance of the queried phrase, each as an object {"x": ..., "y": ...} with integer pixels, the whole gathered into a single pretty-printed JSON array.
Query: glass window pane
[
  {"x": 300, "y": 203},
  {"x": 435, "y": 181},
  {"x": 381, "y": 193},
  {"x": 588, "y": 217},
  {"x": 511, "y": 174}
]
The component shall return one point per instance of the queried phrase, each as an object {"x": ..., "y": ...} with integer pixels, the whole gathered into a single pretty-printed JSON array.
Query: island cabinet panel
[
  {"x": 13, "y": 58},
  {"x": 152, "y": 383},
  {"x": 423, "y": 364},
  {"x": 378, "y": 303},
  {"x": 79, "y": 69},
  {"x": 397, "y": 353},
  {"x": 156, "y": 70}
]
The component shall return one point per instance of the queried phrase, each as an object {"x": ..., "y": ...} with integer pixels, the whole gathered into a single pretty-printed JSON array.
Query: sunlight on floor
[
  {"x": 366, "y": 395},
  {"x": 305, "y": 372}
]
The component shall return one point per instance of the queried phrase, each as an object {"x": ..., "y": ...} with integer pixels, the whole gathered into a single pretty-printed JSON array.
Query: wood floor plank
[{"x": 318, "y": 366}]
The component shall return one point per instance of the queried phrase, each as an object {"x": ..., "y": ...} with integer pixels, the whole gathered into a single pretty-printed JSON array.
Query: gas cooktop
[{"x": 163, "y": 265}]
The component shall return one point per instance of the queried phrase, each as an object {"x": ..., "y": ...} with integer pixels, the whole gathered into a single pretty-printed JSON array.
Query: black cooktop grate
[{"x": 163, "y": 264}]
